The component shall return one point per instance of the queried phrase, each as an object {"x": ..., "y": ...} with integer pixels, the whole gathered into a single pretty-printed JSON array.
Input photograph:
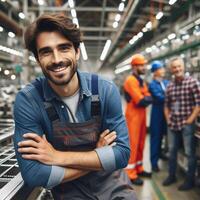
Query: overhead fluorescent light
[
  {"x": 41, "y": 2},
  {"x": 73, "y": 13},
  {"x": 140, "y": 34},
  {"x": 13, "y": 77},
  {"x": 105, "y": 50},
  {"x": 21, "y": 15},
  {"x": 171, "y": 2},
  {"x": 122, "y": 69},
  {"x": 121, "y": 7},
  {"x": 171, "y": 36},
  {"x": 83, "y": 51},
  {"x": 149, "y": 25},
  {"x": 115, "y": 24},
  {"x": 158, "y": 43},
  {"x": 144, "y": 29},
  {"x": 1, "y": 29},
  {"x": 71, "y": 3},
  {"x": 148, "y": 50},
  {"x": 11, "y": 34},
  {"x": 75, "y": 21},
  {"x": 165, "y": 41},
  {"x": 134, "y": 39},
  {"x": 117, "y": 17},
  {"x": 159, "y": 15}
]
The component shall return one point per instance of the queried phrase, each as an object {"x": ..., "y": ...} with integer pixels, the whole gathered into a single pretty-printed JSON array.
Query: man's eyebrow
[{"x": 65, "y": 45}]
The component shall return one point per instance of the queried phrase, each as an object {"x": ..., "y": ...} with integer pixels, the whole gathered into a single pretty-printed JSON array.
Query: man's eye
[{"x": 45, "y": 53}]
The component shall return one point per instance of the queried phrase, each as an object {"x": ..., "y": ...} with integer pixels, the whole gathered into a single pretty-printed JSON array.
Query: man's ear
[{"x": 77, "y": 54}]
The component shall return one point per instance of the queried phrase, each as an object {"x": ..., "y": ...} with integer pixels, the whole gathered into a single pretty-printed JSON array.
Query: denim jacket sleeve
[
  {"x": 114, "y": 120},
  {"x": 27, "y": 118}
]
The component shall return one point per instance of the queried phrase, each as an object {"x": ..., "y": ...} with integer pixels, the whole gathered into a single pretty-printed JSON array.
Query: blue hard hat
[{"x": 156, "y": 65}]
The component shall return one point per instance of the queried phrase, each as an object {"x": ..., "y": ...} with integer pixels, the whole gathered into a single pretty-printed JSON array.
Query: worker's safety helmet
[
  {"x": 138, "y": 59},
  {"x": 155, "y": 65}
]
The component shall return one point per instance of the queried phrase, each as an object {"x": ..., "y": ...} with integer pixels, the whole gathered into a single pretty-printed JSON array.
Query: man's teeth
[{"x": 58, "y": 69}]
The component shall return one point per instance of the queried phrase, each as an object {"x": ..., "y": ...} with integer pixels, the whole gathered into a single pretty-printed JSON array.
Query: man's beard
[{"x": 66, "y": 64}]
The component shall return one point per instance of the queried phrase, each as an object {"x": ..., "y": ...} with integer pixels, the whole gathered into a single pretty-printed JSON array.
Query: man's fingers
[
  {"x": 30, "y": 143},
  {"x": 33, "y": 136},
  {"x": 29, "y": 150},
  {"x": 111, "y": 139},
  {"x": 31, "y": 156},
  {"x": 107, "y": 131},
  {"x": 111, "y": 134}
]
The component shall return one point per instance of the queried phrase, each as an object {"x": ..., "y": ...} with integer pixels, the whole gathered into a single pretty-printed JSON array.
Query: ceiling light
[
  {"x": 105, "y": 50},
  {"x": 131, "y": 41},
  {"x": 171, "y": 2},
  {"x": 75, "y": 21},
  {"x": 6, "y": 72},
  {"x": 158, "y": 43},
  {"x": 159, "y": 15},
  {"x": 148, "y": 50},
  {"x": 21, "y": 15},
  {"x": 1, "y": 29},
  {"x": 3, "y": 0},
  {"x": 83, "y": 51},
  {"x": 144, "y": 29},
  {"x": 117, "y": 17},
  {"x": 11, "y": 34},
  {"x": 171, "y": 36},
  {"x": 121, "y": 7},
  {"x": 165, "y": 41},
  {"x": 149, "y": 25},
  {"x": 13, "y": 77},
  {"x": 115, "y": 24},
  {"x": 122, "y": 69},
  {"x": 71, "y": 3},
  {"x": 140, "y": 34},
  {"x": 41, "y": 2},
  {"x": 73, "y": 13}
]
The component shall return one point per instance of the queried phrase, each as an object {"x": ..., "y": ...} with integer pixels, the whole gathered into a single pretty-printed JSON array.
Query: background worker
[
  {"x": 138, "y": 98},
  {"x": 158, "y": 126},
  {"x": 182, "y": 106}
]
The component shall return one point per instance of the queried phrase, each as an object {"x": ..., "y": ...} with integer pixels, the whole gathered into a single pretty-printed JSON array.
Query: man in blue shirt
[
  {"x": 66, "y": 122},
  {"x": 158, "y": 126}
]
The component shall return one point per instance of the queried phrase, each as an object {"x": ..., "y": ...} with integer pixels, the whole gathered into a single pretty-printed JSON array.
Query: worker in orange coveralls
[{"x": 138, "y": 98}]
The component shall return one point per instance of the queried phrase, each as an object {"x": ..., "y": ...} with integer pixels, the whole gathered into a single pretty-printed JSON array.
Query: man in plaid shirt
[{"x": 182, "y": 105}]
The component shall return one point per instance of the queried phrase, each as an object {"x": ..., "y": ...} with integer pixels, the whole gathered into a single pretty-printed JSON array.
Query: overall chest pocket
[{"x": 73, "y": 135}]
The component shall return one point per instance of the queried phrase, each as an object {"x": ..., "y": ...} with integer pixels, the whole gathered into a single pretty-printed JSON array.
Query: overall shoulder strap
[
  {"x": 50, "y": 109},
  {"x": 95, "y": 104}
]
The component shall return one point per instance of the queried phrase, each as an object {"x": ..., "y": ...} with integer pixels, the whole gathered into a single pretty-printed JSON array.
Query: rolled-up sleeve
[
  {"x": 56, "y": 176},
  {"x": 103, "y": 154}
]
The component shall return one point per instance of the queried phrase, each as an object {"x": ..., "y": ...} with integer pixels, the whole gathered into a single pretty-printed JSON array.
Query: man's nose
[{"x": 57, "y": 57}]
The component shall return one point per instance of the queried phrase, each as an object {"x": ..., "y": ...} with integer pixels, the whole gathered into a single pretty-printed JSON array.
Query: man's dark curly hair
[{"x": 51, "y": 22}]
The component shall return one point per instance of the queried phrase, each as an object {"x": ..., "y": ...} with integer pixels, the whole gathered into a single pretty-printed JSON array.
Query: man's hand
[
  {"x": 106, "y": 138},
  {"x": 38, "y": 148}
]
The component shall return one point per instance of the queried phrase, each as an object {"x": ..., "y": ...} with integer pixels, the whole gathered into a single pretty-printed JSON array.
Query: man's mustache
[{"x": 60, "y": 64}]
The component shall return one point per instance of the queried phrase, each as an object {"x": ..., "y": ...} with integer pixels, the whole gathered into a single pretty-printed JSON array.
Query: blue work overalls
[{"x": 158, "y": 126}]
